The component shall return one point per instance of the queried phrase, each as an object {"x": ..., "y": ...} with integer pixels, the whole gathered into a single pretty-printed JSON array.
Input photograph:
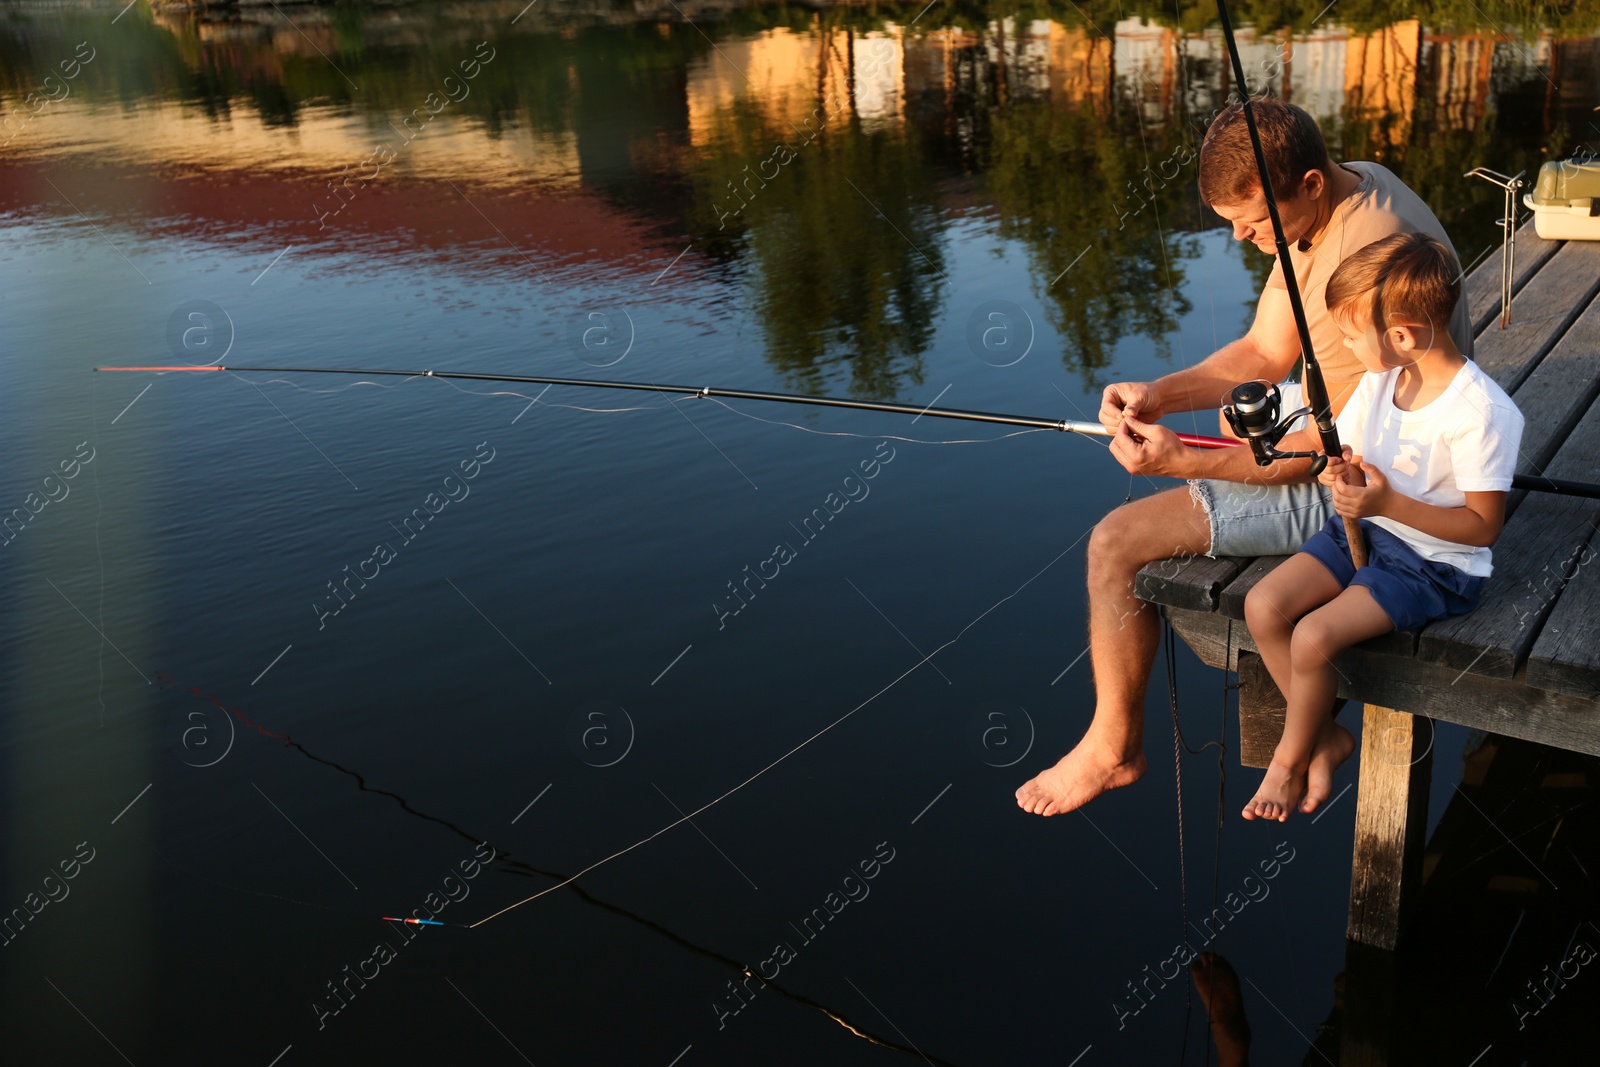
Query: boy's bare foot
[
  {"x": 1218, "y": 986},
  {"x": 1280, "y": 791},
  {"x": 1333, "y": 748},
  {"x": 1080, "y": 776}
]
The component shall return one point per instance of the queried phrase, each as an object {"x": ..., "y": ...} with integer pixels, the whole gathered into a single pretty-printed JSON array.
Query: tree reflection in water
[{"x": 824, "y": 173}]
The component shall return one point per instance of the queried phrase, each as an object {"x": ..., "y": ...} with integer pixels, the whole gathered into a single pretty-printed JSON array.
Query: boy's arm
[{"x": 1477, "y": 522}]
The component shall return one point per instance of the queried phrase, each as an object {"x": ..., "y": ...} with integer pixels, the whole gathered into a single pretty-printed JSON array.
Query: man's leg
[{"x": 1124, "y": 632}]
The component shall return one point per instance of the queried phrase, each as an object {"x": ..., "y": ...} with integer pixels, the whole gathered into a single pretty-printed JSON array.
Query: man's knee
[
  {"x": 1155, "y": 528},
  {"x": 1108, "y": 539}
]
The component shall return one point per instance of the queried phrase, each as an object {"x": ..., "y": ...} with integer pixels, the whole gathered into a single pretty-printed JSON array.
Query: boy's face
[
  {"x": 1252, "y": 222},
  {"x": 1378, "y": 351}
]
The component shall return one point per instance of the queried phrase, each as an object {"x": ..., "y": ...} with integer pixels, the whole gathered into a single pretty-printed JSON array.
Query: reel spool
[{"x": 1252, "y": 411}]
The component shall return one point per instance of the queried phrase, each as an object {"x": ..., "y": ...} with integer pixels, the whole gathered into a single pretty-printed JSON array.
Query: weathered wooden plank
[
  {"x": 1481, "y": 290},
  {"x": 1261, "y": 712},
  {"x": 1212, "y": 637},
  {"x": 1532, "y": 560},
  {"x": 1505, "y": 706},
  {"x": 1495, "y": 705},
  {"x": 1529, "y": 566},
  {"x": 1186, "y": 581},
  {"x": 1559, "y": 392},
  {"x": 1566, "y": 656},
  {"x": 1231, "y": 601},
  {"x": 1567, "y": 283},
  {"x": 1391, "y": 823}
]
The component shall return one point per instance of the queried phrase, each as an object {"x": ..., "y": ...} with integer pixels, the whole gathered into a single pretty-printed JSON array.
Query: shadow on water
[{"x": 745, "y": 984}]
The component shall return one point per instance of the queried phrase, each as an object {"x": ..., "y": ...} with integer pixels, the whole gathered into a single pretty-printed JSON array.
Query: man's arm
[
  {"x": 1269, "y": 350},
  {"x": 1148, "y": 449}
]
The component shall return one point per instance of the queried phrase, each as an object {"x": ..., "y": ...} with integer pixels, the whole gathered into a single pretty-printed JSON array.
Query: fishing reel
[{"x": 1253, "y": 409}]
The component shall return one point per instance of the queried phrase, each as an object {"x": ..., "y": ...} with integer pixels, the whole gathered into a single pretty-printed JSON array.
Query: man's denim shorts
[{"x": 1263, "y": 520}]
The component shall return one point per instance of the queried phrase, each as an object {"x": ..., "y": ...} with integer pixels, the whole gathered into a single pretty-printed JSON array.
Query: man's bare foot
[
  {"x": 1280, "y": 791},
  {"x": 1333, "y": 748},
  {"x": 1218, "y": 985},
  {"x": 1080, "y": 776}
]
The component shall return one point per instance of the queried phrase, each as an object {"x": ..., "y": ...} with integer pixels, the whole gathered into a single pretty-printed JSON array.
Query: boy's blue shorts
[{"x": 1411, "y": 590}]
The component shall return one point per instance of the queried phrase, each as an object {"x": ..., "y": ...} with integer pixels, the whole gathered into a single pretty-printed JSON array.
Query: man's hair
[
  {"x": 1290, "y": 140},
  {"x": 1403, "y": 279}
]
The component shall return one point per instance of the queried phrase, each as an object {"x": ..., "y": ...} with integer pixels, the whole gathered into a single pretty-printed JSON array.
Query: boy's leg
[
  {"x": 1298, "y": 586},
  {"x": 1350, "y": 618}
]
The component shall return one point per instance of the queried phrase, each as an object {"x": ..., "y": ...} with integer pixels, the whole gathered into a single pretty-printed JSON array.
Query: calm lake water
[{"x": 282, "y": 651}]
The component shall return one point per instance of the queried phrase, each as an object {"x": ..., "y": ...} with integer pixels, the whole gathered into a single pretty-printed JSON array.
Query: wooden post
[
  {"x": 1391, "y": 822},
  {"x": 1261, "y": 712},
  {"x": 1369, "y": 1006}
]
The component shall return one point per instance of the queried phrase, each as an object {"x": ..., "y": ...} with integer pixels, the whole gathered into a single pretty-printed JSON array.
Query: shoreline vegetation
[{"x": 1562, "y": 17}]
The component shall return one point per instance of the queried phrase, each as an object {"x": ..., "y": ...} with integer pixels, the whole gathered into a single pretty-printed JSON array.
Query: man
[{"x": 1231, "y": 507}]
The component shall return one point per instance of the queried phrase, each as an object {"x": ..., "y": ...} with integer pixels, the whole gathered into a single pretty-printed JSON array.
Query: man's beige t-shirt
[{"x": 1380, "y": 206}]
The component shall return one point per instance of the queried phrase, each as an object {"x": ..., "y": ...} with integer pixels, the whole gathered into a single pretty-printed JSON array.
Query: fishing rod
[
  {"x": 1251, "y": 422},
  {"x": 1252, "y": 395},
  {"x": 1065, "y": 425}
]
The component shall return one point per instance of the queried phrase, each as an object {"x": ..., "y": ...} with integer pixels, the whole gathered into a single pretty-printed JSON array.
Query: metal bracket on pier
[{"x": 1508, "y": 230}]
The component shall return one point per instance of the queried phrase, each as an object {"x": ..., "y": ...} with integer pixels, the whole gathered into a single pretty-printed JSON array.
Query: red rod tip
[{"x": 161, "y": 370}]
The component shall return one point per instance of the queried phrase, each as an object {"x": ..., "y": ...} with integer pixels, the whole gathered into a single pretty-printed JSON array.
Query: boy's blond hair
[{"x": 1404, "y": 279}]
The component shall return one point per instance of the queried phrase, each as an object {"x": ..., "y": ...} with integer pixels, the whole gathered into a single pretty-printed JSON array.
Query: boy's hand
[
  {"x": 1363, "y": 501},
  {"x": 1128, "y": 398},
  {"x": 1337, "y": 470}
]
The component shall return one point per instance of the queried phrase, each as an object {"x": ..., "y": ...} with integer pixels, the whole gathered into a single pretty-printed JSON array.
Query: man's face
[{"x": 1252, "y": 222}]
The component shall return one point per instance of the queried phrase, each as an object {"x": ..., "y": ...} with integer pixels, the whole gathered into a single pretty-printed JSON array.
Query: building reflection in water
[{"x": 596, "y": 144}]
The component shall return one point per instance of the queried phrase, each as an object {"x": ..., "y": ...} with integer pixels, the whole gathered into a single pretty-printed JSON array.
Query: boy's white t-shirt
[{"x": 1465, "y": 440}]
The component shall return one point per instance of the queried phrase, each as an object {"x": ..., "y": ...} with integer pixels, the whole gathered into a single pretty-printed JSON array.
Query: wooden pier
[{"x": 1526, "y": 664}]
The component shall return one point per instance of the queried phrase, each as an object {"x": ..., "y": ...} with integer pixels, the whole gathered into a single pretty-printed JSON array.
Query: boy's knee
[
  {"x": 1261, "y": 611},
  {"x": 1311, "y": 647}
]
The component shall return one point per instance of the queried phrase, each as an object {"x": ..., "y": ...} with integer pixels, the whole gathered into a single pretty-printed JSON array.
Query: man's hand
[
  {"x": 1145, "y": 448},
  {"x": 1128, "y": 398}
]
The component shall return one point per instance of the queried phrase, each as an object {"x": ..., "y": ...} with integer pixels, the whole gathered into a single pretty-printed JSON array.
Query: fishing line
[
  {"x": 519, "y": 867},
  {"x": 875, "y": 436},
  {"x": 457, "y": 388},
  {"x": 1169, "y": 647},
  {"x": 1180, "y": 745},
  {"x": 712, "y": 803},
  {"x": 671, "y": 402},
  {"x": 99, "y": 508},
  {"x": 704, "y": 392}
]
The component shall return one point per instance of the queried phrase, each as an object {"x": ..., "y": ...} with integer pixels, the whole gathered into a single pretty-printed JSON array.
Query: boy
[{"x": 1437, "y": 441}]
